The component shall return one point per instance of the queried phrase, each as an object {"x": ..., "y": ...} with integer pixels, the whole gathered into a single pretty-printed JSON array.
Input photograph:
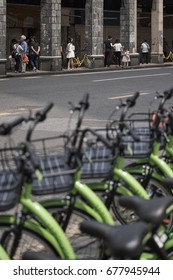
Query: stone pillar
[
  {"x": 157, "y": 31},
  {"x": 50, "y": 58},
  {"x": 94, "y": 30},
  {"x": 3, "y": 58},
  {"x": 128, "y": 28}
]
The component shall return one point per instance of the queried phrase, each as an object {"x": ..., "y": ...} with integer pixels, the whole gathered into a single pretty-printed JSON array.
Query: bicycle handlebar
[
  {"x": 101, "y": 138},
  {"x": 6, "y": 128},
  {"x": 120, "y": 132},
  {"x": 41, "y": 115},
  {"x": 82, "y": 106},
  {"x": 159, "y": 114},
  {"x": 132, "y": 101},
  {"x": 85, "y": 101}
]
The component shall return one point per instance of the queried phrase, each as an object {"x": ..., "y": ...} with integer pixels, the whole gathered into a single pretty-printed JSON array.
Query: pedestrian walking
[
  {"x": 70, "y": 53},
  {"x": 125, "y": 57},
  {"x": 145, "y": 47},
  {"x": 117, "y": 52},
  {"x": 108, "y": 51},
  {"x": 34, "y": 51}
]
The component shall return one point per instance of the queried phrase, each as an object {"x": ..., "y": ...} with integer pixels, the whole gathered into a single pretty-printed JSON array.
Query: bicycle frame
[
  {"x": 88, "y": 192},
  {"x": 120, "y": 174},
  {"x": 97, "y": 210},
  {"x": 53, "y": 233},
  {"x": 154, "y": 161},
  {"x": 78, "y": 62}
]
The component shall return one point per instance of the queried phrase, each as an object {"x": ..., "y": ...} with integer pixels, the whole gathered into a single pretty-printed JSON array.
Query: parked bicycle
[
  {"x": 83, "y": 60},
  {"x": 144, "y": 240},
  {"x": 63, "y": 176},
  {"x": 62, "y": 173},
  {"x": 169, "y": 57}
]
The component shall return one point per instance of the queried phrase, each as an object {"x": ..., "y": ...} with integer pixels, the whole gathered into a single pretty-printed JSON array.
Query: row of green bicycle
[{"x": 87, "y": 166}]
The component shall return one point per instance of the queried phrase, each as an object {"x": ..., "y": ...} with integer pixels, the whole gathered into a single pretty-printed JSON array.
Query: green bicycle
[{"x": 34, "y": 219}]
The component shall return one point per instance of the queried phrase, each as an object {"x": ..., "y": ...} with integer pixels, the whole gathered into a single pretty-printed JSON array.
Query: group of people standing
[
  {"x": 23, "y": 52},
  {"x": 121, "y": 55}
]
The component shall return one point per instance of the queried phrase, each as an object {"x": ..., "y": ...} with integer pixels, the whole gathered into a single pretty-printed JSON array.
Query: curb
[{"x": 82, "y": 70}]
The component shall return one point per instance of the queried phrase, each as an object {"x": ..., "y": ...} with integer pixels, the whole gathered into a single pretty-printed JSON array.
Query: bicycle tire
[
  {"x": 154, "y": 189},
  {"x": 171, "y": 57},
  {"x": 30, "y": 241},
  {"x": 84, "y": 246}
]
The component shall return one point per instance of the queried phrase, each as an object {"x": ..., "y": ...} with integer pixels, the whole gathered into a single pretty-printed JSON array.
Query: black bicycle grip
[
  {"x": 131, "y": 101},
  {"x": 85, "y": 101},
  {"x": 41, "y": 115},
  {"x": 32, "y": 155},
  {"x": 168, "y": 93},
  {"x": 6, "y": 128}
]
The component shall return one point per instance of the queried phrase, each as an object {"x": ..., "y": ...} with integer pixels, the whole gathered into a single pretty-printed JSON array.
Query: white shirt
[
  {"x": 70, "y": 50},
  {"x": 117, "y": 47},
  {"x": 145, "y": 47}
]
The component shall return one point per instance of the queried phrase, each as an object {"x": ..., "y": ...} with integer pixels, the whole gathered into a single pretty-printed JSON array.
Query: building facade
[{"x": 89, "y": 22}]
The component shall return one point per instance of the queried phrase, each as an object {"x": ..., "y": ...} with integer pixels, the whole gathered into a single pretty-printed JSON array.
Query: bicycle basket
[
  {"x": 97, "y": 159},
  {"x": 11, "y": 179},
  {"x": 57, "y": 171},
  {"x": 140, "y": 127}
]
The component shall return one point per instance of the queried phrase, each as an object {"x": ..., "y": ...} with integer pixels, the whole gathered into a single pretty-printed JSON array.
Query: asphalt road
[{"x": 105, "y": 89}]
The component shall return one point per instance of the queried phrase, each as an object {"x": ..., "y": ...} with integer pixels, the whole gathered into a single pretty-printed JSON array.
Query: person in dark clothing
[
  {"x": 16, "y": 54},
  {"x": 34, "y": 51},
  {"x": 107, "y": 51}
]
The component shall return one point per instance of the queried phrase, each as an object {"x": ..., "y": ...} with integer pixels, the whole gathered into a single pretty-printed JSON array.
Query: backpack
[{"x": 14, "y": 52}]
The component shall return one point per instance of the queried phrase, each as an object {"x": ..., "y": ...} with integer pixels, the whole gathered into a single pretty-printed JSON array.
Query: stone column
[
  {"x": 157, "y": 31},
  {"x": 94, "y": 30},
  {"x": 50, "y": 58},
  {"x": 128, "y": 28},
  {"x": 2, "y": 37}
]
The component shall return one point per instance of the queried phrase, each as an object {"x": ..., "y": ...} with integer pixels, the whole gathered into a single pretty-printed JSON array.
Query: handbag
[{"x": 25, "y": 58}]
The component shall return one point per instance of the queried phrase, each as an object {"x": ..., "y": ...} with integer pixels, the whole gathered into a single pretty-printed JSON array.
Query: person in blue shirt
[{"x": 24, "y": 46}]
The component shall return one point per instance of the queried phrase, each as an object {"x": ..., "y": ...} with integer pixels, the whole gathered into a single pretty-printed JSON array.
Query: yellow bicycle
[
  {"x": 85, "y": 60},
  {"x": 168, "y": 57}
]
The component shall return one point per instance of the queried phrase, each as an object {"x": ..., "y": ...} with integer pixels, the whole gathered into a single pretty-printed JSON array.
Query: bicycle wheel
[
  {"x": 89, "y": 63},
  {"x": 84, "y": 246},
  {"x": 29, "y": 241},
  {"x": 154, "y": 188}
]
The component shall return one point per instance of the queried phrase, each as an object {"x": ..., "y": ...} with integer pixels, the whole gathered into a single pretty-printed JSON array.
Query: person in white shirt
[
  {"x": 145, "y": 52},
  {"x": 117, "y": 52},
  {"x": 70, "y": 53}
]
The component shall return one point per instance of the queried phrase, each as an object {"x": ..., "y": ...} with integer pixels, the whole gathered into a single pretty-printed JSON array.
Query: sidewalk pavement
[{"x": 83, "y": 70}]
